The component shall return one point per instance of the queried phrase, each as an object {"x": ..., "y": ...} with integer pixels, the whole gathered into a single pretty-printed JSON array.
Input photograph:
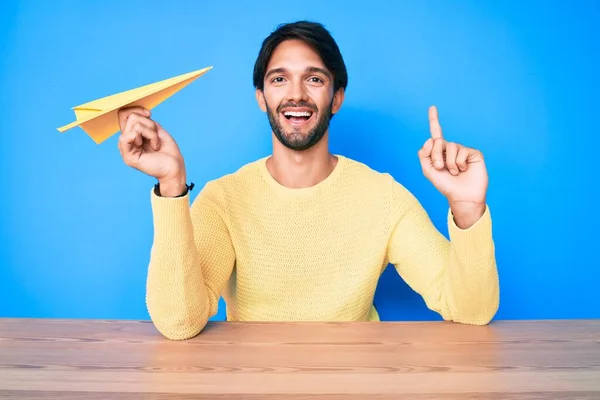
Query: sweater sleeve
[
  {"x": 457, "y": 278},
  {"x": 192, "y": 258}
]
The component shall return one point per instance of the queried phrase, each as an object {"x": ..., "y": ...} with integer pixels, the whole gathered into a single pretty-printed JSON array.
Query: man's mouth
[{"x": 297, "y": 117}]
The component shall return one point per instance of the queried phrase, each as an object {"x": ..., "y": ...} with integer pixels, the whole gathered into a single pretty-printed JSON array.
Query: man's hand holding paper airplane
[
  {"x": 147, "y": 147},
  {"x": 98, "y": 118}
]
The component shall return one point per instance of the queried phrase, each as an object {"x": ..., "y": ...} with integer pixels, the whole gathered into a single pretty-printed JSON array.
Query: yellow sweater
[{"x": 310, "y": 254}]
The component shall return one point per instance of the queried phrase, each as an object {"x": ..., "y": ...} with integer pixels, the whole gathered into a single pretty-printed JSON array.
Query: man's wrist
[
  {"x": 172, "y": 187},
  {"x": 467, "y": 214}
]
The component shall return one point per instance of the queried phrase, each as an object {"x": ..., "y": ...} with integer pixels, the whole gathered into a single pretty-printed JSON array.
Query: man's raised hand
[
  {"x": 147, "y": 147},
  {"x": 457, "y": 171}
]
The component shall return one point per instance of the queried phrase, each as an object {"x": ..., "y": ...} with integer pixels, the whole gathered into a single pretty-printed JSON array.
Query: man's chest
[{"x": 304, "y": 252}]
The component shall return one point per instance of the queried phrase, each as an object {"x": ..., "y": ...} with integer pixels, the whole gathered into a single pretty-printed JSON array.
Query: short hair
[{"x": 313, "y": 34}]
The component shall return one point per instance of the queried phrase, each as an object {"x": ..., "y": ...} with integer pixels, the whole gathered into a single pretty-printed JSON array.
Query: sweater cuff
[
  {"x": 171, "y": 215},
  {"x": 476, "y": 239}
]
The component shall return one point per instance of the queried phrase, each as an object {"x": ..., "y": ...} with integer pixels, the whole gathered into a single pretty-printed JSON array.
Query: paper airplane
[{"x": 99, "y": 118}]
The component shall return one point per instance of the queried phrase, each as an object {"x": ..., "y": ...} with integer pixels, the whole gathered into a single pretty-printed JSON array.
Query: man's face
[{"x": 298, "y": 95}]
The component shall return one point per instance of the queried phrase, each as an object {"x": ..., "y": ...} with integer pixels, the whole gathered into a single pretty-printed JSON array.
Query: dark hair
[{"x": 313, "y": 34}]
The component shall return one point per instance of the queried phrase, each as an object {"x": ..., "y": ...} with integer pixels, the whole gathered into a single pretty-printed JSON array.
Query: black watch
[{"x": 187, "y": 189}]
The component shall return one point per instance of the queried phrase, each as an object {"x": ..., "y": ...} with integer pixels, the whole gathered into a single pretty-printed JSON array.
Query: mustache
[{"x": 300, "y": 104}]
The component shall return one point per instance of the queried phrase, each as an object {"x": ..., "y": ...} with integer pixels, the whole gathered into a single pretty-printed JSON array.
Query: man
[{"x": 304, "y": 235}]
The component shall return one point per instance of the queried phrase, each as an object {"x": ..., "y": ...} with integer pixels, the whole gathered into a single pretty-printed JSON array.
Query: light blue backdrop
[{"x": 518, "y": 80}]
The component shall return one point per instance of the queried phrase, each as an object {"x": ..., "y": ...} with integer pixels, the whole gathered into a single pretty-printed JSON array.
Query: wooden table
[{"x": 95, "y": 359}]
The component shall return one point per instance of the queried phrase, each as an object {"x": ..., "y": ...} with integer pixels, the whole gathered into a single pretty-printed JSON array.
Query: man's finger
[
  {"x": 434, "y": 123},
  {"x": 163, "y": 134},
  {"x": 437, "y": 154},
  {"x": 125, "y": 112},
  {"x": 126, "y": 143},
  {"x": 424, "y": 152},
  {"x": 451, "y": 153},
  {"x": 461, "y": 158},
  {"x": 135, "y": 122},
  {"x": 147, "y": 133},
  {"x": 134, "y": 137},
  {"x": 137, "y": 118}
]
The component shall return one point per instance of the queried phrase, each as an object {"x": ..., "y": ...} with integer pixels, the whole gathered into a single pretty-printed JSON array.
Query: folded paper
[{"x": 99, "y": 118}]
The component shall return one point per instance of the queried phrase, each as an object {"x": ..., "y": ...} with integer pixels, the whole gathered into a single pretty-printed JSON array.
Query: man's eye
[
  {"x": 279, "y": 79},
  {"x": 316, "y": 79}
]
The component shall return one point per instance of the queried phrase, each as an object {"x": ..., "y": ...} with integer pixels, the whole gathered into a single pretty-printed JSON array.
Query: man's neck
[{"x": 301, "y": 169}]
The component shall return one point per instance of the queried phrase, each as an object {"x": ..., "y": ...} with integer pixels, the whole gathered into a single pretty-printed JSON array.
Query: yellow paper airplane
[{"x": 99, "y": 118}]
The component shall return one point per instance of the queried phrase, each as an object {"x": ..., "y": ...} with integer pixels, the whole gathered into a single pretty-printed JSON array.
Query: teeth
[{"x": 297, "y": 114}]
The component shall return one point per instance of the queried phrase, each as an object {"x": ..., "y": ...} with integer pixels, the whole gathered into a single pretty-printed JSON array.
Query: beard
[{"x": 295, "y": 139}]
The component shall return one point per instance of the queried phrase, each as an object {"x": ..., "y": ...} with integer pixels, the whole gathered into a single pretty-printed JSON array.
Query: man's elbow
[
  {"x": 479, "y": 319},
  {"x": 482, "y": 314},
  {"x": 177, "y": 326},
  {"x": 178, "y": 332}
]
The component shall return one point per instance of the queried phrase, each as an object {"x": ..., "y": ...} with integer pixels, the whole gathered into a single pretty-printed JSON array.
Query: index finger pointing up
[{"x": 434, "y": 123}]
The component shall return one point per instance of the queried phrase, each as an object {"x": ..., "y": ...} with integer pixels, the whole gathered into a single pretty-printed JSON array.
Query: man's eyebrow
[
  {"x": 282, "y": 70},
  {"x": 275, "y": 71},
  {"x": 319, "y": 70}
]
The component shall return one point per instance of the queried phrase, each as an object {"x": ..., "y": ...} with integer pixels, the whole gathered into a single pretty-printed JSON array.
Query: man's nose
[{"x": 297, "y": 91}]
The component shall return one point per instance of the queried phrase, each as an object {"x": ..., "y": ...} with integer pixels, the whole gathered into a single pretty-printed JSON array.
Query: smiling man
[
  {"x": 304, "y": 234},
  {"x": 315, "y": 91}
]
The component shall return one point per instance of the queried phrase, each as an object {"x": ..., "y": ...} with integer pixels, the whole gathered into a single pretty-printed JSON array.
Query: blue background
[{"x": 518, "y": 80}]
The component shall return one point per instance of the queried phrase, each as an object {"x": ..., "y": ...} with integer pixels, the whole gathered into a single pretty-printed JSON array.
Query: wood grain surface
[{"x": 97, "y": 359}]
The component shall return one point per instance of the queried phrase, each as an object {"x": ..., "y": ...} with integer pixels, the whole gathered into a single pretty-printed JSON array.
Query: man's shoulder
[
  {"x": 378, "y": 182},
  {"x": 242, "y": 176},
  {"x": 361, "y": 172},
  {"x": 249, "y": 170},
  {"x": 239, "y": 184}
]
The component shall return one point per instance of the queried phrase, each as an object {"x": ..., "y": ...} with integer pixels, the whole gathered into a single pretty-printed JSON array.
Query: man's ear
[
  {"x": 260, "y": 98},
  {"x": 338, "y": 99}
]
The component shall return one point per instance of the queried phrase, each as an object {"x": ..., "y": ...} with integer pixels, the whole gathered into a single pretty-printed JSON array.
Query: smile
[{"x": 298, "y": 117}]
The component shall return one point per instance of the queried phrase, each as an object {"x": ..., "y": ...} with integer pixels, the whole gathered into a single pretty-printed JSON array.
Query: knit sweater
[{"x": 309, "y": 254}]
